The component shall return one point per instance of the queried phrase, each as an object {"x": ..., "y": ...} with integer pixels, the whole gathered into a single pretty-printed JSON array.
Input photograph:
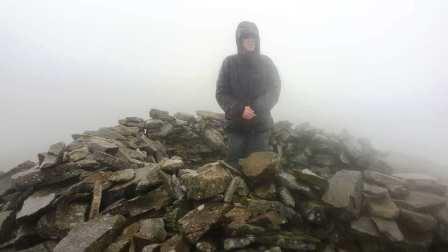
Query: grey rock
[
  {"x": 266, "y": 191},
  {"x": 171, "y": 165},
  {"x": 93, "y": 235},
  {"x": 286, "y": 197},
  {"x": 137, "y": 206},
  {"x": 119, "y": 246},
  {"x": 208, "y": 115},
  {"x": 48, "y": 160},
  {"x": 99, "y": 144},
  {"x": 365, "y": 225},
  {"x": 345, "y": 191},
  {"x": 153, "y": 230},
  {"x": 207, "y": 181},
  {"x": 27, "y": 178},
  {"x": 289, "y": 181},
  {"x": 314, "y": 212},
  {"x": 36, "y": 203},
  {"x": 291, "y": 241},
  {"x": 78, "y": 154},
  {"x": 423, "y": 182},
  {"x": 6, "y": 224},
  {"x": 112, "y": 161},
  {"x": 236, "y": 243},
  {"x": 373, "y": 191},
  {"x": 42, "y": 247},
  {"x": 166, "y": 130},
  {"x": 154, "y": 124},
  {"x": 206, "y": 245},
  {"x": 6, "y": 183},
  {"x": 151, "y": 248},
  {"x": 417, "y": 221},
  {"x": 57, "y": 149},
  {"x": 175, "y": 243},
  {"x": 397, "y": 187},
  {"x": 420, "y": 201},
  {"x": 236, "y": 186},
  {"x": 122, "y": 176},
  {"x": 56, "y": 223},
  {"x": 161, "y": 115},
  {"x": 198, "y": 221},
  {"x": 389, "y": 228},
  {"x": 384, "y": 208},
  {"x": 132, "y": 122},
  {"x": 152, "y": 147},
  {"x": 258, "y": 166},
  {"x": 214, "y": 138},
  {"x": 185, "y": 117},
  {"x": 312, "y": 179}
]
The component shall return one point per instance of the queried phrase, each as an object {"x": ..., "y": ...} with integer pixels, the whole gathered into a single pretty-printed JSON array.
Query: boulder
[
  {"x": 152, "y": 230},
  {"x": 207, "y": 181},
  {"x": 171, "y": 165},
  {"x": 258, "y": 166}
]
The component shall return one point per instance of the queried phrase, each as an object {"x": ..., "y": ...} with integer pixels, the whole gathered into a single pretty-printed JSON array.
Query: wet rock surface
[{"x": 161, "y": 184}]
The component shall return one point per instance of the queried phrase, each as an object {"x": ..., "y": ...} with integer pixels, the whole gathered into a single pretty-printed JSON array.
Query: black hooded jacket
[{"x": 248, "y": 80}]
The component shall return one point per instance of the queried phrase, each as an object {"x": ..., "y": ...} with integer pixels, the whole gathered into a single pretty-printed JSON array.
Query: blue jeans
[{"x": 241, "y": 144}]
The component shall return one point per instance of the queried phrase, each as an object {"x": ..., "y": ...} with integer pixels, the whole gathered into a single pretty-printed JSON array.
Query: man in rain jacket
[{"x": 247, "y": 89}]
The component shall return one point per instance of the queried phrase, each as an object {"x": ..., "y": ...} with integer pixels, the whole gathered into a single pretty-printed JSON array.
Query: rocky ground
[{"x": 161, "y": 185}]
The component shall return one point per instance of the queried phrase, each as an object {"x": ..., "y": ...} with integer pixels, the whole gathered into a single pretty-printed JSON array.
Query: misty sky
[{"x": 376, "y": 68}]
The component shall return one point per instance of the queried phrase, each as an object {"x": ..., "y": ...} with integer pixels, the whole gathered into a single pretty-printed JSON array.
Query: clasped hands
[{"x": 248, "y": 113}]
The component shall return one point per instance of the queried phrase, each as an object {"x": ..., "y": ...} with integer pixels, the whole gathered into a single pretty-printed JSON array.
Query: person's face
[{"x": 249, "y": 44}]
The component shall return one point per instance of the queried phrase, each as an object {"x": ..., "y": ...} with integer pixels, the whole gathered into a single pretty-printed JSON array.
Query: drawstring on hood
[{"x": 247, "y": 27}]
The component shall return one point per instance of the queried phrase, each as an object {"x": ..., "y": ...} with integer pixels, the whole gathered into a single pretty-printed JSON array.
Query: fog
[{"x": 376, "y": 68}]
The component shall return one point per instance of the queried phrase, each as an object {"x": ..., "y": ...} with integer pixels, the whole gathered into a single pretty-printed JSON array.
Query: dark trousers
[{"x": 241, "y": 144}]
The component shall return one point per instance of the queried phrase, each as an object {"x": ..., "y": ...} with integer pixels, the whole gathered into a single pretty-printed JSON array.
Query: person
[{"x": 248, "y": 87}]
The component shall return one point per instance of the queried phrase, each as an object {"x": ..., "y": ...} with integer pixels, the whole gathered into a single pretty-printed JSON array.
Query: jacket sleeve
[
  {"x": 265, "y": 102},
  {"x": 226, "y": 100}
]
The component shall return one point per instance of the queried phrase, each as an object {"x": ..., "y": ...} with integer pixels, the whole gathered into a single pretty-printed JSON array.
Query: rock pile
[{"x": 162, "y": 185}]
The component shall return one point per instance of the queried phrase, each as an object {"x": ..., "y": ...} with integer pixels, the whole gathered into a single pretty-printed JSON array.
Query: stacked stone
[{"x": 161, "y": 185}]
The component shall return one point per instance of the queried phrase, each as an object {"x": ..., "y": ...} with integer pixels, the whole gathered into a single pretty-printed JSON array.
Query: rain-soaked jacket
[{"x": 248, "y": 80}]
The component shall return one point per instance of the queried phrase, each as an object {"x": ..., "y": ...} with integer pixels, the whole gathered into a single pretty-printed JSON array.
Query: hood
[{"x": 247, "y": 27}]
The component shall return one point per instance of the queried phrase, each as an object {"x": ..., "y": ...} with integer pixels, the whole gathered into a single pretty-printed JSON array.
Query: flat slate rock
[
  {"x": 389, "y": 228},
  {"x": 198, "y": 221},
  {"x": 417, "y": 221},
  {"x": 35, "y": 203},
  {"x": 420, "y": 201},
  {"x": 423, "y": 182},
  {"x": 345, "y": 191},
  {"x": 384, "y": 208},
  {"x": 365, "y": 225},
  {"x": 94, "y": 235}
]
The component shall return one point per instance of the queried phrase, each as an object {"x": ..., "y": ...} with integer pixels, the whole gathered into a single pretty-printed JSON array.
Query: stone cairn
[{"x": 161, "y": 185}]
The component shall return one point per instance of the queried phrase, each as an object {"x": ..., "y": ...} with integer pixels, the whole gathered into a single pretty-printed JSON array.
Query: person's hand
[{"x": 248, "y": 113}]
